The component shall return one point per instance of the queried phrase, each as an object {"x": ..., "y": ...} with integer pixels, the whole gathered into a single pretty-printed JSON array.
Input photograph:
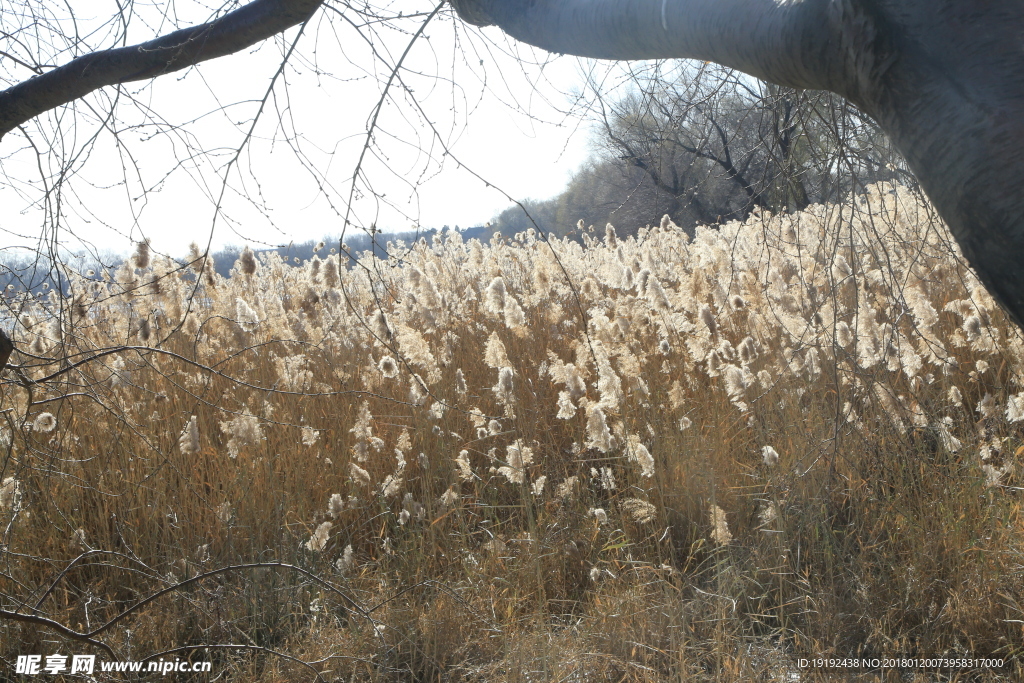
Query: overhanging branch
[{"x": 181, "y": 49}]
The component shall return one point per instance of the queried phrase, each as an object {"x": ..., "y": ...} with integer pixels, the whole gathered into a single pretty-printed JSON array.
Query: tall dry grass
[{"x": 640, "y": 459}]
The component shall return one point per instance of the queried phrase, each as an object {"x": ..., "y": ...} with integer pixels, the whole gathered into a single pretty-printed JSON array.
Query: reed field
[{"x": 659, "y": 458}]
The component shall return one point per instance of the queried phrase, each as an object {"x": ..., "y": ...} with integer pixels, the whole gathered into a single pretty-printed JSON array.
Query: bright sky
[{"x": 509, "y": 121}]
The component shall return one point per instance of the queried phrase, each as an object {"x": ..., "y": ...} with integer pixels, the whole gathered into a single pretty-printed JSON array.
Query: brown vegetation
[{"x": 644, "y": 459}]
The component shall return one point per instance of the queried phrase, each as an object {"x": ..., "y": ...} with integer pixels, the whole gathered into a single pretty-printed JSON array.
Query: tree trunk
[
  {"x": 953, "y": 104},
  {"x": 765, "y": 38}
]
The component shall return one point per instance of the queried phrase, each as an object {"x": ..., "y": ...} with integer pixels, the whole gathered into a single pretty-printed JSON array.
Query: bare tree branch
[
  {"x": 187, "y": 47},
  {"x": 59, "y": 628}
]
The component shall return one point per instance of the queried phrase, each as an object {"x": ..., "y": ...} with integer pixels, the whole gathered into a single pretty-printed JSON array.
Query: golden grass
[{"x": 890, "y": 524}]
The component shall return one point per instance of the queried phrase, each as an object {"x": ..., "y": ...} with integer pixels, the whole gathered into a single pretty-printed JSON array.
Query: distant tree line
[
  {"x": 706, "y": 145},
  {"x": 35, "y": 271}
]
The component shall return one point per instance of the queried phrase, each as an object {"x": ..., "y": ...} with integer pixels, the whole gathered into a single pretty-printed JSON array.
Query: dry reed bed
[{"x": 638, "y": 459}]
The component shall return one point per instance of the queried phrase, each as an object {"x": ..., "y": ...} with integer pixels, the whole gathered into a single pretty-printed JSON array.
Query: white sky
[{"x": 501, "y": 117}]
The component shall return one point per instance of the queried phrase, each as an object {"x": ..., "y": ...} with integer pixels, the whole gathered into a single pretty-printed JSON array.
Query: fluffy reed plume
[
  {"x": 388, "y": 367},
  {"x": 567, "y": 489},
  {"x": 141, "y": 258},
  {"x": 465, "y": 471},
  {"x": 606, "y": 476},
  {"x": 537, "y": 488},
  {"x": 949, "y": 442},
  {"x": 380, "y": 327},
  {"x": 416, "y": 350},
  {"x": 318, "y": 541},
  {"x": 640, "y": 511},
  {"x": 841, "y": 268},
  {"x": 336, "y": 505},
  {"x": 404, "y": 442},
  {"x": 719, "y": 528},
  {"x": 735, "y": 382},
  {"x": 494, "y": 353},
  {"x": 610, "y": 238},
  {"x": 598, "y": 434},
  {"x": 656, "y": 293},
  {"x": 518, "y": 457},
  {"x": 987, "y": 405},
  {"x": 196, "y": 259},
  {"x": 609, "y": 385},
  {"x": 344, "y": 563},
  {"x": 44, "y": 422},
  {"x": 362, "y": 431},
  {"x": 412, "y": 508},
  {"x": 769, "y": 456},
  {"x": 1015, "y": 408},
  {"x": 38, "y": 346},
  {"x": 242, "y": 430},
  {"x": 566, "y": 408},
  {"x": 247, "y": 263},
  {"x": 330, "y": 273},
  {"x": 392, "y": 485},
  {"x": 567, "y": 374},
  {"x": 245, "y": 316},
  {"x": 714, "y": 364},
  {"x": 747, "y": 350},
  {"x": 503, "y": 390},
  {"x": 189, "y": 441},
  {"x": 708, "y": 318},
  {"x": 358, "y": 474},
  {"x": 994, "y": 475},
  {"x": 515, "y": 318},
  {"x": 972, "y": 327},
  {"x": 494, "y": 296},
  {"x": 639, "y": 454},
  {"x": 449, "y": 499},
  {"x": 309, "y": 436},
  {"x": 843, "y": 334},
  {"x": 418, "y": 391}
]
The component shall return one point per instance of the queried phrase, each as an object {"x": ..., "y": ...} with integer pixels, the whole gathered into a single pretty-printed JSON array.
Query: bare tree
[
  {"x": 731, "y": 143},
  {"x": 706, "y": 144},
  {"x": 693, "y": 135}
]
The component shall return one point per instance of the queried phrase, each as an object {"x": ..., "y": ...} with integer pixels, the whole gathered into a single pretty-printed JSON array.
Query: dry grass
[{"x": 648, "y": 536}]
